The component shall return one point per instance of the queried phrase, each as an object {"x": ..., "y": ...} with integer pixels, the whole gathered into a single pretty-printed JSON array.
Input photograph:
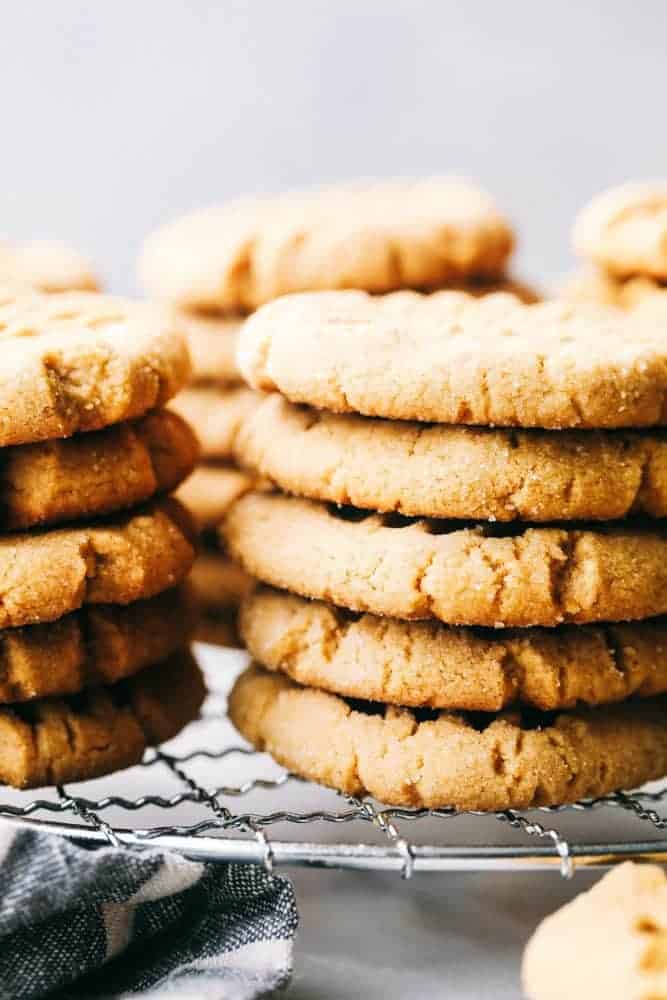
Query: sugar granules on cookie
[
  {"x": 441, "y": 530},
  {"x": 93, "y": 554}
]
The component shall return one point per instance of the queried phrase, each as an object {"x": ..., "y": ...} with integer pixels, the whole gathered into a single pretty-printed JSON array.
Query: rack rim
[
  {"x": 223, "y": 834},
  {"x": 427, "y": 858}
]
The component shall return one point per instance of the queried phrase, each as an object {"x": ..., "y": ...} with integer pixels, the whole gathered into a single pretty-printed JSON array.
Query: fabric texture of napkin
[{"x": 115, "y": 922}]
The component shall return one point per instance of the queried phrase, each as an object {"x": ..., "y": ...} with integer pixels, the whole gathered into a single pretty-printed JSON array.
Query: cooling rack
[{"x": 209, "y": 797}]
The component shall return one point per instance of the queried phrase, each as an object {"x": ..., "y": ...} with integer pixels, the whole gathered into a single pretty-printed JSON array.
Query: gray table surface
[{"x": 454, "y": 935}]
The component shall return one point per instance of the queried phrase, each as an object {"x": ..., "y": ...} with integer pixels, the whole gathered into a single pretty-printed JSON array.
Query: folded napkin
[{"x": 115, "y": 922}]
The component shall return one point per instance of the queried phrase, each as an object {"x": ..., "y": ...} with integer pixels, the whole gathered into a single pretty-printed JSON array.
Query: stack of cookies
[
  {"x": 463, "y": 563},
  {"x": 214, "y": 404},
  {"x": 94, "y": 625},
  {"x": 222, "y": 263},
  {"x": 622, "y": 238}
]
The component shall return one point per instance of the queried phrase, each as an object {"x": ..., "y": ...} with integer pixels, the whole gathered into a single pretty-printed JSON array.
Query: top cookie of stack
[
  {"x": 90, "y": 554},
  {"x": 415, "y": 438},
  {"x": 218, "y": 264},
  {"x": 380, "y": 238},
  {"x": 622, "y": 236}
]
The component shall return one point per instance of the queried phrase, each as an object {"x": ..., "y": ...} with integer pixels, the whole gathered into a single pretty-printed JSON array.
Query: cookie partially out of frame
[
  {"x": 427, "y": 664},
  {"x": 99, "y": 644},
  {"x": 47, "y": 266},
  {"x": 434, "y": 759},
  {"x": 87, "y": 475},
  {"x": 45, "y": 575},
  {"x": 613, "y": 937},
  {"x": 82, "y": 361},
  {"x": 487, "y": 574},
  {"x": 50, "y": 741},
  {"x": 215, "y": 413},
  {"x": 452, "y": 358},
  {"x": 380, "y": 237},
  {"x": 459, "y": 472},
  {"x": 624, "y": 230}
]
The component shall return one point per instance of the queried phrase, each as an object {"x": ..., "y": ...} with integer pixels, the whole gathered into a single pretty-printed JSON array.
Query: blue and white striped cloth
[{"x": 111, "y": 923}]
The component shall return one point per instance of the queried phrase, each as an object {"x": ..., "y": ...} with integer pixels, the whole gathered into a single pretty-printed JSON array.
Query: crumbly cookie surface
[
  {"x": 624, "y": 230},
  {"x": 87, "y": 475},
  {"x": 48, "y": 267},
  {"x": 458, "y": 472},
  {"x": 99, "y": 644},
  {"x": 81, "y": 361},
  {"x": 488, "y": 575},
  {"x": 211, "y": 490},
  {"x": 381, "y": 237},
  {"x": 614, "y": 937},
  {"x": 45, "y": 575},
  {"x": 435, "y": 759},
  {"x": 451, "y": 358},
  {"x": 427, "y": 664},
  {"x": 50, "y": 741},
  {"x": 216, "y": 414}
]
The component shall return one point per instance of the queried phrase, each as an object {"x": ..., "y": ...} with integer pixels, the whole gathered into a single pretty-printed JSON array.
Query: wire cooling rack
[{"x": 209, "y": 797}]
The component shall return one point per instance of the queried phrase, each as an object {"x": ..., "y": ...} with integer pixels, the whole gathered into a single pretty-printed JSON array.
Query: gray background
[{"x": 116, "y": 116}]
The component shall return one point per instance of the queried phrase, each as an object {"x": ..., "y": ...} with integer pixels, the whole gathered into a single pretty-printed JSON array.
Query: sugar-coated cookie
[
  {"x": 452, "y": 358},
  {"x": 379, "y": 237},
  {"x": 99, "y": 644},
  {"x": 485, "y": 574},
  {"x": 428, "y": 664},
  {"x": 45, "y": 575},
  {"x": 81, "y": 361},
  {"x": 433, "y": 759},
  {"x": 87, "y": 475},
  {"x": 436, "y": 470},
  {"x": 50, "y": 741}
]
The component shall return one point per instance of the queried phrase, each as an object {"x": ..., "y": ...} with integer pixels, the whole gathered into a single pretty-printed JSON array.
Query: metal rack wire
[{"x": 183, "y": 782}]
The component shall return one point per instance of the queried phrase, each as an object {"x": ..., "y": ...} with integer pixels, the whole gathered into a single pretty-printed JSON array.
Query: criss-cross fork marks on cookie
[
  {"x": 515, "y": 759},
  {"x": 451, "y": 358},
  {"x": 80, "y": 362}
]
